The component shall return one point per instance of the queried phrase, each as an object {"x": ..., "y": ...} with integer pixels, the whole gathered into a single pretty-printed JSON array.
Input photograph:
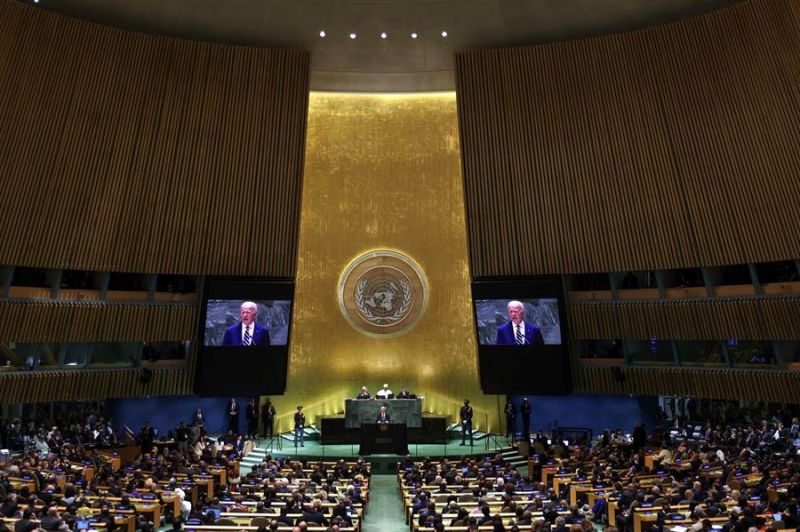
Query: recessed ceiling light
[
  {"x": 322, "y": 33},
  {"x": 444, "y": 34},
  {"x": 383, "y": 35},
  {"x": 414, "y": 35},
  {"x": 352, "y": 35}
]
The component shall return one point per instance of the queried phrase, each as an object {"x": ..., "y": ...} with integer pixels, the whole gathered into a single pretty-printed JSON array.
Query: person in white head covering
[{"x": 384, "y": 393}]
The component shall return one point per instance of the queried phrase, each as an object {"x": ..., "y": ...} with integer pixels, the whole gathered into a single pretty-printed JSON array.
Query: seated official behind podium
[
  {"x": 247, "y": 332},
  {"x": 404, "y": 394},
  {"x": 384, "y": 393},
  {"x": 364, "y": 393},
  {"x": 383, "y": 416},
  {"x": 518, "y": 331}
]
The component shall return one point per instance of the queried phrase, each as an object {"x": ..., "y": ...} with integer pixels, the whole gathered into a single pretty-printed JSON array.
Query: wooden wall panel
[
  {"x": 669, "y": 147},
  {"x": 756, "y": 385},
  {"x": 121, "y": 151},
  {"x": 69, "y": 321},
  {"x": 42, "y": 386},
  {"x": 747, "y": 319}
]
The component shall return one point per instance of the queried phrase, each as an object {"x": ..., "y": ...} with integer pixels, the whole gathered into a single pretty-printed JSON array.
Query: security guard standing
[{"x": 466, "y": 422}]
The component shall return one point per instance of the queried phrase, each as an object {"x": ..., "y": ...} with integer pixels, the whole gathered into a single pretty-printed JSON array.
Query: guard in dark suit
[
  {"x": 247, "y": 332},
  {"x": 525, "y": 412},
  {"x": 518, "y": 331},
  {"x": 233, "y": 415},
  {"x": 268, "y": 414},
  {"x": 510, "y": 411},
  {"x": 466, "y": 422},
  {"x": 251, "y": 413}
]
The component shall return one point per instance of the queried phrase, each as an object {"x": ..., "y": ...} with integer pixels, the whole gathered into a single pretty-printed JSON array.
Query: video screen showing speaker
[
  {"x": 247, "y": 323},
  {"x": 244, "y": 336},
  {"x": 518, "y": 321},
  {"x": 520, "y": 326}
]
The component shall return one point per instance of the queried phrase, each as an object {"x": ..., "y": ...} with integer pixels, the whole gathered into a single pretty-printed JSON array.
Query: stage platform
[{"x": 381, "y": 463}]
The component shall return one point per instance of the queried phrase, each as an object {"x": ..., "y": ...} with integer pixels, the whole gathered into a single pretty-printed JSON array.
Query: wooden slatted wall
[
  {"x": 45, "y": 386},
  {"x": 121, "y": 151},
  {"x": 751, "y": 319},
  {"x": 756, "y": 385},
  {"x": 65, "y": 321},
  {"x": 669, "y": 147}
]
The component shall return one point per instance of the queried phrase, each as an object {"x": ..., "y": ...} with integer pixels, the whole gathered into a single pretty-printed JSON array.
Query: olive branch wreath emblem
[{"x": 398, "y": 315}]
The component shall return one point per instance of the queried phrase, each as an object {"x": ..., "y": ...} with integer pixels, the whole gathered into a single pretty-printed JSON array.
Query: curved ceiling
[{"x": 368, "y": 62}]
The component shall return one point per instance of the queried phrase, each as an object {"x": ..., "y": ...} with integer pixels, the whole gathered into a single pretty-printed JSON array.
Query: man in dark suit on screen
[
  {"x": 518, "y": 331},
  {"x": 247, "y": 332}
]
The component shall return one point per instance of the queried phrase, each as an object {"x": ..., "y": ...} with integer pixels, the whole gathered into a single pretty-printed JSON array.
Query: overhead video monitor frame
[
  {"x": 244, "y": 336},
  {"x": 521, "y": 333}
]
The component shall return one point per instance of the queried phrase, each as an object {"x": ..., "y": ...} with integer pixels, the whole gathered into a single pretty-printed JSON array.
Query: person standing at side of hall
[
  {"x": 251, "y": 413},
  {"x": 299, "y": 427},
  {"x": 233, "y": 415},
  {"x": 511, "y": 426},
  {"x": 525, "y": 412},
  {"x": 268, "y": 414},
  {"x": 466, "y": 422}
]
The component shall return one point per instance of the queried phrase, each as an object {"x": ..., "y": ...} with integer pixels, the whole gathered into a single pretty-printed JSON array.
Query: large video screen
[
  {"x": 244, "y": 336},
  {"x": 246, "y": 323},
  {"x": 521, "y": 335},
  {"x": 518, "y": 321}
]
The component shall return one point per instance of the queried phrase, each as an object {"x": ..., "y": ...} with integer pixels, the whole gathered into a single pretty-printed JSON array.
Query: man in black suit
[
  {"x": 639, "y": 436},
  {"x": 525, "y": 412},
  {"x": 268, "y": 414},
  {"x": 466, "y": 422},
  {"x": 314, "y": 514},
  {"x": 510, "y": 412},
  {"x": 383, "y": 416},
  {"x": 52, "y": 521},
  {"x": 146, "y": 437},
  {"x": 233, "y": 415},
  {"x": 251, "y": 414},
  {"x": 24, "y": 524}
]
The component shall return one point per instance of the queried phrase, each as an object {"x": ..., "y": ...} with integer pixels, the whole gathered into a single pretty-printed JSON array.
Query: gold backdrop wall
[{"x": 383, "y": 172}]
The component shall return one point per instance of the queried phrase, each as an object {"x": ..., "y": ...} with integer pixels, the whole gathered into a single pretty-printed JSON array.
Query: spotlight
[
  {"x": 414, "y": 35},
  {"x": 352, "y": 35},
  {"x": 322, "y": 33},
  {"x": 444, "y": 34},
  {"x": 383, "y": 35}
]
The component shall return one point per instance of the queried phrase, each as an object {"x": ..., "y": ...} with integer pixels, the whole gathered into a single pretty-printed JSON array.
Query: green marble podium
[{"x": 361, "y": 411}]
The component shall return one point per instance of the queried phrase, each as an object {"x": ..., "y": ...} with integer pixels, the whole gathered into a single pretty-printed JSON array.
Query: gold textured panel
[{"x": 383, "y": 172}]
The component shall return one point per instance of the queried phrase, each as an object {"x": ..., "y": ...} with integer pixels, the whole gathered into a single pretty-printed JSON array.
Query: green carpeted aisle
[{"x": 385, "y": 511}]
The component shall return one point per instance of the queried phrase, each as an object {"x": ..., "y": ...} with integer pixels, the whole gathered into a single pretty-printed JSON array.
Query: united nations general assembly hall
[{"x": 400, "y": 265}]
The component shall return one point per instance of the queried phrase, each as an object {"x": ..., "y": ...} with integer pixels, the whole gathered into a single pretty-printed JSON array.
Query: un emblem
[{"x": 383, "y": 293}]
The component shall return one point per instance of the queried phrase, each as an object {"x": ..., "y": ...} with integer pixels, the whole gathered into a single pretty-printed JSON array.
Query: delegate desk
[
  {"x": 383, "y": 438},
  {"x": 358, "y": 412}
]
